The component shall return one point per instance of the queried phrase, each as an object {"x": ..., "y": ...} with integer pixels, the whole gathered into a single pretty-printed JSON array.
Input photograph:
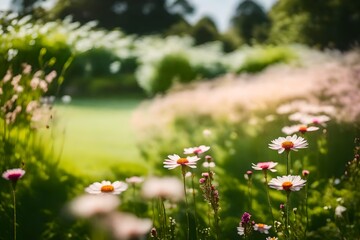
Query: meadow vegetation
[{"x": 189, "y": 170}]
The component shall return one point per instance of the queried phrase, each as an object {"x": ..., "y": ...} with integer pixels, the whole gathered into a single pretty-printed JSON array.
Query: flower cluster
[{"x": 210, "y": 193}]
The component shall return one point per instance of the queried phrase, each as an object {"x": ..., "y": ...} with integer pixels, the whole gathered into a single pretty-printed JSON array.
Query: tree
[
  {"x": 251, "y": 22},
  {"x": 331, "y": 23},
  {"x": 132, "y": 16},
  {"x": 205, "y": 31}
]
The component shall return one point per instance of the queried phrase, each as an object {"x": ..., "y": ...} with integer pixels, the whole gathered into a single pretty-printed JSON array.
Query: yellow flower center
[
  {"x": 303, "y": 129},
  {"x": 287, "y": 145},
  {"x": 261, "y": 225},
  {"x": 287, "y": 185},
  {"x": 107, "y": 188},
  {"x": 182, "y": 161}
]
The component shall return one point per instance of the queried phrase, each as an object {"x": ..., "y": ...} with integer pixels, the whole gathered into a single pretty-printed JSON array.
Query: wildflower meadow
[{"x": 261, "y": 142}]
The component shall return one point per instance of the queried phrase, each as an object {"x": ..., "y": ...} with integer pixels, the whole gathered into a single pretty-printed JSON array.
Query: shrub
[{"x": 265, "y": 57}]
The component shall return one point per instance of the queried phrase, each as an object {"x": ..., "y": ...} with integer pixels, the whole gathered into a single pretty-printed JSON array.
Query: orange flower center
[
  {"x": 260, "y": 225},
  {"x": 107, "y": 188},
  {"x": 287, "y": 145},
  {"x": 287, "y": 185},
  {"x": 182, "y": 161},
  {"x": 303, "y": 129}
]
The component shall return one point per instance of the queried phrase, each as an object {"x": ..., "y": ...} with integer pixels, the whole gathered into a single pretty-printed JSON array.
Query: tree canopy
[{"x": 331, "y": 23}]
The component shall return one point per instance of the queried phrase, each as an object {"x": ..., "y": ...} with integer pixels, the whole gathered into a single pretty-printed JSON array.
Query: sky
[{"x": 219, "y": 10}]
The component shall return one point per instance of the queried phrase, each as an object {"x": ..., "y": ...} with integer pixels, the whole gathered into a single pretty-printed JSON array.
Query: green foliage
[
  {"x": 251, "y": 22},
  {"x": 322, "y": 24},
  {"x": 265, "y": 57},
  {"x": 205, "y": 31},
  {"x": 171, "y": 69},
  {"x": 128, "y": 15}
]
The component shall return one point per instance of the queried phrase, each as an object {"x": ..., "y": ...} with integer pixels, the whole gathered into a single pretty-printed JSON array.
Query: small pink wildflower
[{"x": 13, "y": 174}]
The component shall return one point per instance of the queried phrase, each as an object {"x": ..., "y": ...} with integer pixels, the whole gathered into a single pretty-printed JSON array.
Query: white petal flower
[
  {"x": 106, "y": 187},
  {"x": 262, "y": 228},
  {"x": 167, "y": 188},
  {"x": 175, "y": 161},
  {"x": 298, "y": 128},
  {"x": 288, "y": 143},
  {"x": 89, "y": 205},
  {"x": 339, "y": 211},
  {"x": 196, "y": 150},
  {"x": 265, "y": 166},
  {"x": 241, "y": 231},
  {"x": 287, "y": 183},
  {"x": 126, "y": 226},
  {"x": 134, "y": 180}
]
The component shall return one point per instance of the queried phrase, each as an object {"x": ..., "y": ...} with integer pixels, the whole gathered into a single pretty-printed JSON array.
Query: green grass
[{"x": 95, "y": 138}]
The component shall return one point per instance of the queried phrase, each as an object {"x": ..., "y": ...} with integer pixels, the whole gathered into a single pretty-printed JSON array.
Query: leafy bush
[
  {"x": 265, "y": 57},
  {"x": 171, "y": 69}
]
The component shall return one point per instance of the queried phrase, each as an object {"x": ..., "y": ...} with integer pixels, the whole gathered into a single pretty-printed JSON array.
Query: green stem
[
  {"x": 268, "y": 197},
  {"x": 194, "y": 200},
  {"x": 250, "y": 192},
  {"x": 186, "y": 203},
  {"x": 164, "y": 217},
  {"x": 287, "y": 214},
  {"x": 306, "y": 210},
  {"x": 288, "y": 162},
  {"x": 14, "y": 208}
]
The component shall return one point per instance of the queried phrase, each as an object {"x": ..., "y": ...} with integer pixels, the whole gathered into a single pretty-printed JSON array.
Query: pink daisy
[
  {"x": 265, "y": 166},
  {"x": 196, "y": 150}
]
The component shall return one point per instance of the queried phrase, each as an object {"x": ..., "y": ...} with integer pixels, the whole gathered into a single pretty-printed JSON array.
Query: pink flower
[
  {"x": 305, "y": 173},
  {"x": 265, "y": 166},
  {"x": 13, "y": 174},
  {"x": 196, "y": 150},
  {"x": 175, "y": 161}
]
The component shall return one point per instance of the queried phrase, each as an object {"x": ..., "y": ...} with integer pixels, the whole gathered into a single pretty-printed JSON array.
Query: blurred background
[{"x": 128, "y": 82}]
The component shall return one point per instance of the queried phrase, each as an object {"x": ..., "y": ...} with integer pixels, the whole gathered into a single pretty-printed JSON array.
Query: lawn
[{"x": 95, "y": 137}]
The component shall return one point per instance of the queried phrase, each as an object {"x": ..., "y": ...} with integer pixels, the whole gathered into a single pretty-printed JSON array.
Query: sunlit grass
[{"x": 94, "y": 138}]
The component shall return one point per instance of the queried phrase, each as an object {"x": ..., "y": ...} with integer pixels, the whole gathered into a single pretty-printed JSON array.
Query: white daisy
[
  {"x": 90, "y": 205},
  {"x": 288, "y": 143},
  {"x": 134, "y": 180},
  {"x": 106, "y": 187},
  {"x": 262, "y": 228},
  {"x": 196, "y": 150},
  {"x": 167, "y": 188},
  {"x": 128, "y": 226},
  {"x": 265, "y": 166},
  {"x": 298, "y": 128},
  {"x": 287, "y": 183},
  {"x": 175, "y": 161}
]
